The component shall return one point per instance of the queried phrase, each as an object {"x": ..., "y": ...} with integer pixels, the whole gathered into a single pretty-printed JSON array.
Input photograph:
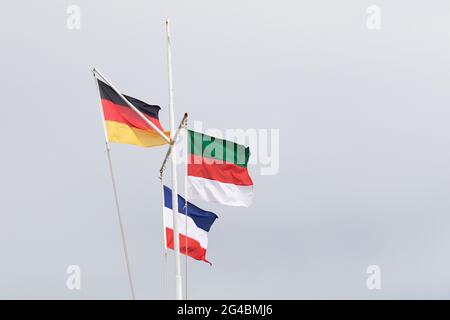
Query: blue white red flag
[{"x": 198, "y": 221}]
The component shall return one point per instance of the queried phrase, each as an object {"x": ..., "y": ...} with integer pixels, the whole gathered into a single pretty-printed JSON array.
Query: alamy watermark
[
  {"x": 73, "y": 281},
  {"x": 373, "y": 21},
  {"x": 73, "y": 21},
  {"x": 264, "y": 147},
  {"x": 373, "y": 282}
]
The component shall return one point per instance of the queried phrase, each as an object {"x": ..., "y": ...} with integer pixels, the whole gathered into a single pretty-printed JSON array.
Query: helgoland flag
[
  {"x": 217, "y": 170},
  {"x": 198, "y": 221},
  {"x": 123, "y": 124}
]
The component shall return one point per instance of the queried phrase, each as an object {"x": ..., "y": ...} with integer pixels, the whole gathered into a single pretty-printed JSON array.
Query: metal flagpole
[
  {"x": 164, "y": 234},
  {"x": 116, "y": 200},
  {"x": 176, "y": 239},
  {"x": 161, "y": 177},
  {"x": 186, "y": 202}
]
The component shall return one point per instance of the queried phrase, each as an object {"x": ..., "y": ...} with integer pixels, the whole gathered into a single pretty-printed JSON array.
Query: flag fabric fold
[
  {"x": 198, "y": 221},
  {"x": 217, "y": 170},
  {"x": 123, "y": 124}
]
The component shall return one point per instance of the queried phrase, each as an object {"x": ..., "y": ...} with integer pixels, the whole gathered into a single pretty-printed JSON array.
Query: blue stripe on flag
[{"x": 203, "y": 219}]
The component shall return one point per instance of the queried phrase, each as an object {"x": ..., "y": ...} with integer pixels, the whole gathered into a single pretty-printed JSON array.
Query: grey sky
[{"x": 364, "y": 146}]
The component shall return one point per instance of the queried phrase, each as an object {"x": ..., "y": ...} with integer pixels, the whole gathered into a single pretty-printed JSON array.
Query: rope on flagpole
[
  {"x": 116, "y": 200},
  {"x": 165, "y": 273},
  {"x": 169, "y": 151}
]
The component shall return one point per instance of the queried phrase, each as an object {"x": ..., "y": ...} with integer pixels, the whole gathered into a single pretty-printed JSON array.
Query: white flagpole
[
  {"x": 186, "y": 200},
  {"x": 176, "y": 234},
  {"x": 161, "y": 177},
  {"x": 116, "y": 200}
]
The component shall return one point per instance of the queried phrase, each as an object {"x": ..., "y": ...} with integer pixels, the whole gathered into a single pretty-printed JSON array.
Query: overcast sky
[{"x": 364, "y": 158}]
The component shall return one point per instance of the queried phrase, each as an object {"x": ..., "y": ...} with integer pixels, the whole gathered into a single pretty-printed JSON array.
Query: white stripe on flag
[
  {"x": 215, "y": 191},
  {"x": 193, "y": 231}
]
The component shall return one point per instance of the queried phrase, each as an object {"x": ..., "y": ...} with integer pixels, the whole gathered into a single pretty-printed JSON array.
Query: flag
[
  {"x": 199, "y": 223},
  {"x": 217, "y": 170},
  {"x": 123, "y": 124}
]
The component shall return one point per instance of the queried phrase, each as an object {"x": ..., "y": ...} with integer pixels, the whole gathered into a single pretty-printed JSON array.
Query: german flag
[{"x": 124, "y": 125}]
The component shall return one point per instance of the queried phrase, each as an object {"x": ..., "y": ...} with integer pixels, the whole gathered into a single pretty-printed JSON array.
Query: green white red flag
[{"x": 217, "y": 170}]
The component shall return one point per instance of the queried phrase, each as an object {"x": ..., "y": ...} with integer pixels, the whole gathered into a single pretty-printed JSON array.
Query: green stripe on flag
[{"x": 214, "y": 148}]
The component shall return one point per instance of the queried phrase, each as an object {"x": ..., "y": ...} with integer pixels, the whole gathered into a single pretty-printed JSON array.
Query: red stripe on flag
[
  {"x": 126, "y": 115},
  {"x": 194, "y": 250},
  {"x": 218, "y": 170}
]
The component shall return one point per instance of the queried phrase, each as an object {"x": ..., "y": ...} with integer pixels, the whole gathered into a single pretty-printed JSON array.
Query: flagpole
[
  {"x": 116, "y": 200},
  {"x": 186, "y": 201},
  {"x": 176, "y": 234},
  {"x": 161, "y": 177}
]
